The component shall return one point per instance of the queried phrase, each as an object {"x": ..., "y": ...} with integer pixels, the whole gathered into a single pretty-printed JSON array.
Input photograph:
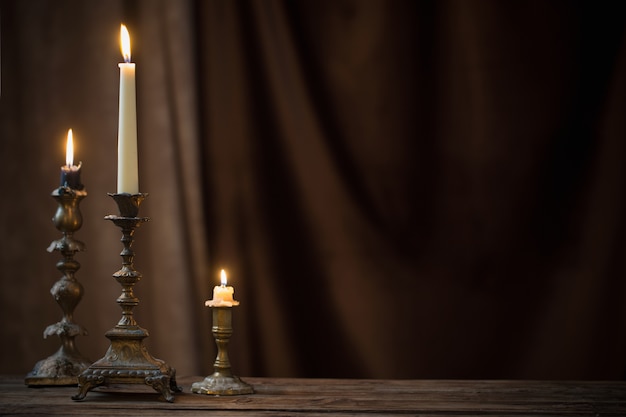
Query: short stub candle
[
  {"x": 222, "y": 294},
  {"x": 70, "y": 173}
]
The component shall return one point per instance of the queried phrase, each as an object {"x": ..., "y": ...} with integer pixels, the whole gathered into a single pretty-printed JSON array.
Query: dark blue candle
[{"x": 70, "y": 173}]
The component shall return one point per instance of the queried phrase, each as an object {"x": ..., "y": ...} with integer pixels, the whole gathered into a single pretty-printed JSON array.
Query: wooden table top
[{"x": 329, "y": 397}]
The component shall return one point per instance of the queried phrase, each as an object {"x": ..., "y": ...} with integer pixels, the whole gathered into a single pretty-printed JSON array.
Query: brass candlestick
[
  {"x": 63, "y": 367},
  {"x": 222, "y": 381},
  {"x": 127, "y": 360}
]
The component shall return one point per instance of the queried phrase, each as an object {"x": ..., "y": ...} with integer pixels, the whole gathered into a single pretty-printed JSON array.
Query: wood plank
[{"x": 317, "y": 397}]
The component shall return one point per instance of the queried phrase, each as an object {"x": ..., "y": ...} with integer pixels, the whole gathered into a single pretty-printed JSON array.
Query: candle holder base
[
  {"x": 218, "y": 384},
  {"x": 60, "y": 369},
  {"x": 128, "y": 362}
]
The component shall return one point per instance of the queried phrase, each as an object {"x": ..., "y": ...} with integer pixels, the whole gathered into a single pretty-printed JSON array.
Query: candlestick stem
[
  {"x": 64, "y": 366},
  {"x": 127, "y": 360},
  {"x": 222, "y": 381}
]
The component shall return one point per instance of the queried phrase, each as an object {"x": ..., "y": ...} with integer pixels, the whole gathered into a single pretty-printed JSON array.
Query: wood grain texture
[{"x": 328, "y": 397}]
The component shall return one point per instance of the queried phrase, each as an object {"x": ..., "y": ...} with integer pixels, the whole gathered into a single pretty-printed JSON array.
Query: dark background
[{"x": 397, "y": 189}]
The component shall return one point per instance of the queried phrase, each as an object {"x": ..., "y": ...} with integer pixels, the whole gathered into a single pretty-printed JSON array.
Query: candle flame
[
  {"x": 125, "y": 43},
  {"x": 69, "y": 149},
  {"x": 223, "y": 277}
]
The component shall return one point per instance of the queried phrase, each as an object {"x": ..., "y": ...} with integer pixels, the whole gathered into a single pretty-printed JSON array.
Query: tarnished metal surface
[
  {"x": 64, "y": 366},
  {"x": 222, "y": 381},
  {"x": 127, "y": 360}
]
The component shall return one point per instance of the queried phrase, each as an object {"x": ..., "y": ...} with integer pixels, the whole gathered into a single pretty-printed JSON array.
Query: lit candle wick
[
  {"x": 125, "y": 43},
  {"x": 69, "y": 150},
  {"x": 70, "y": 174}
]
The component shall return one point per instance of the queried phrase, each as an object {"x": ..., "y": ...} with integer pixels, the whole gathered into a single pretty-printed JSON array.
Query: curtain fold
[{"x": 396, "y": 189}]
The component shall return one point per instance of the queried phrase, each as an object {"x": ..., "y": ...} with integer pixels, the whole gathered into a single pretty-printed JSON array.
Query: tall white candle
[{"x": 127, "y": 170}]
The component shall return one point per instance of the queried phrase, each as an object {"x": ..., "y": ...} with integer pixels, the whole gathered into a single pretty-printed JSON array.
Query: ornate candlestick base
[
  {"x": 63, "y": 367},
  {"x": 222, "y": 381},
  {"x": 60, "y": 369},
  {"x": 127, "y": 360}
]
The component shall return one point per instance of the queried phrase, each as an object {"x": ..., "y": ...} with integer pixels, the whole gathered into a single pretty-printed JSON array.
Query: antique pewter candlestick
[
  {"x": 127, "y": 360},
  {"x": 222, "y": 381},
  {"x": 63, "y": 367}
]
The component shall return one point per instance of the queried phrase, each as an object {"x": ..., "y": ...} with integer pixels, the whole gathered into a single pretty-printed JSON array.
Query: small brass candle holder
[
  {"x": 63, "y": 367},
  {"x": 222, "y": 381},
  {"x": 127, "y": 360}
]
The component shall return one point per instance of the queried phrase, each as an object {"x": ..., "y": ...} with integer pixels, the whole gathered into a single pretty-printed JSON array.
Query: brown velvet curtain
[{"x": 398, "y": 189}]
